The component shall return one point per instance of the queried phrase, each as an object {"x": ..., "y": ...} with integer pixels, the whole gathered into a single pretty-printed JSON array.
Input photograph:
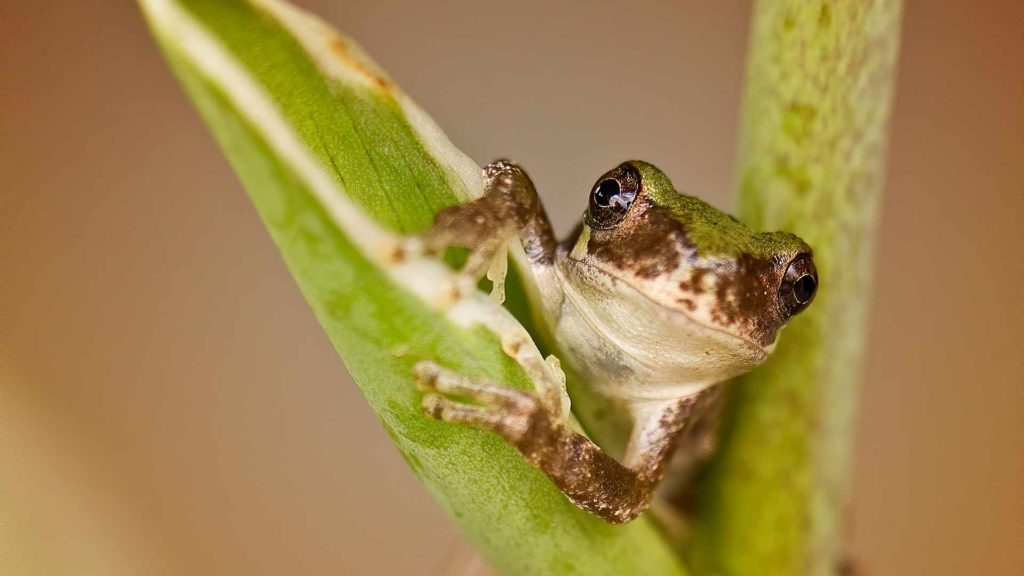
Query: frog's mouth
[{"x": 762, "y": 348}]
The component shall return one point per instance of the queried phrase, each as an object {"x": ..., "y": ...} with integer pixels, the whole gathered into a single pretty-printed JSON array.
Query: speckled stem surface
[{"x": 811, "y": 160}]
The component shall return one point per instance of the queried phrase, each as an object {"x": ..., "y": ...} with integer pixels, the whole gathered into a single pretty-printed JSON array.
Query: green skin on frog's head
[{"x": 651, "y": 267}]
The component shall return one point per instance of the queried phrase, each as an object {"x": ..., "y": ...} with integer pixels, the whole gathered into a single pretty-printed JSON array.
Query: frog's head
[{"x": 701, "y": 272}]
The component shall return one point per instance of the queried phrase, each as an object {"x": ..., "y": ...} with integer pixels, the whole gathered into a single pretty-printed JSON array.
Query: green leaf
[{"x": 338, "y": 162}]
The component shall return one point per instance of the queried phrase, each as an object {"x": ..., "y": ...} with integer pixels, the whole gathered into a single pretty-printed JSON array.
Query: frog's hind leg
[
  {"x": 675, "y": 503},
  {"x": 693, "y": 452},
  {"x": 536, "y": 423}
]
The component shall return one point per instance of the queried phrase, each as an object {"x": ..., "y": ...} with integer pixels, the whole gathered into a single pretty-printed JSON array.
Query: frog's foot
[
  {"x": 484, "y": 226},
  {"x": 452, "y": 397},
  {"x": 507, "y": 411}
]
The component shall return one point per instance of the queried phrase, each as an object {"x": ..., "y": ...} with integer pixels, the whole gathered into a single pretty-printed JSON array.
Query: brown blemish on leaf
[
  {"x": 513, "y": 346},
  {"x": 396, "y": 255},
  {"x": 453, "y": 295},
  {"x": 340, "y": 48}
]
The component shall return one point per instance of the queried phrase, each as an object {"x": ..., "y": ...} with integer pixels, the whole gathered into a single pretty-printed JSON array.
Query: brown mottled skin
[
  {"x": 510, "y": 205},
  {"x": 651, "y": 240},
  {"x": 589, "y": 477},
  {"x": 637, "y": 229}
]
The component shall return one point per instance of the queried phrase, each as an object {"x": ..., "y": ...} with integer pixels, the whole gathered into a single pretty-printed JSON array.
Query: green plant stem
[{"x": 819, "y": 87}]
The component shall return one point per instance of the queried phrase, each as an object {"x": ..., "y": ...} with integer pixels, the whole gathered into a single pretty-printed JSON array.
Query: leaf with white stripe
[{"x": 339, "y": 163}]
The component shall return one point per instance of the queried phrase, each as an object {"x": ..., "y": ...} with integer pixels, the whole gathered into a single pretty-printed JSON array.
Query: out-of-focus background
[{"x": 170, "y": 405}]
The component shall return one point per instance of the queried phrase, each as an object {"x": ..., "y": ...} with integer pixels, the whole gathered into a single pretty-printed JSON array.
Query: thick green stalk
[{"x": 819, "y": 86}]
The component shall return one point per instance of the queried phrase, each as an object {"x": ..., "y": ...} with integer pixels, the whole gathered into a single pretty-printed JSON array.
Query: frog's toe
[
  {"x": 448, "y": 410},
  {"x": 432, "y": 379},
  {"x": 512, "y": 425},
  {"x": 502, "y": 172},
  {"x": 496, "y": 273}
]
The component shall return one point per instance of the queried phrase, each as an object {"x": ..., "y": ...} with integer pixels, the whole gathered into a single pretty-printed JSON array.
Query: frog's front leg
[
  {"x": 535, "y": 424},
  {"x": 509, "y": 205}
]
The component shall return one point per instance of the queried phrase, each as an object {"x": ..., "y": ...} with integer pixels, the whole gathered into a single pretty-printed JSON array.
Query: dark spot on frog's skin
[
  {"x": 649, "y": 246},
  {"x": 747, "y": 295},
  {"x": 695, "y": 285},
  {"x": 690, "y": 304}
]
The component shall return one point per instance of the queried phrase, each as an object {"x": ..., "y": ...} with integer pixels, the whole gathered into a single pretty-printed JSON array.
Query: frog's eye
[
  {"x": 612, "y": 196},
  {"x": 799, "y": 285}
]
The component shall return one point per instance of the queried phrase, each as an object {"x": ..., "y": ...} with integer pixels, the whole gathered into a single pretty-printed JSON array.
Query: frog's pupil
[
  {"x": 804, "y": 288},
  {"x": 606, "y": 190}
]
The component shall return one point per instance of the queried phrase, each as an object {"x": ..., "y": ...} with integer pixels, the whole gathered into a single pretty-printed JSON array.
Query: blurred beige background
[{"x": 171, "y": 407}]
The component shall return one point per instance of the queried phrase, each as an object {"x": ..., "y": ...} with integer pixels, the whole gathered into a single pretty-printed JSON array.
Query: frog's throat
[{"x": 764, "y": 350}]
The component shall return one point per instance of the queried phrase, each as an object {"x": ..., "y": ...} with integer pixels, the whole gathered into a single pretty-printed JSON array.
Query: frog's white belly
[{"x": 632, "y": 348}]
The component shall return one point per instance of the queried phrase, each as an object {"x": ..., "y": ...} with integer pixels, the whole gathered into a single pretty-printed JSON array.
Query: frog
[{"x": 653, "y": 303}]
